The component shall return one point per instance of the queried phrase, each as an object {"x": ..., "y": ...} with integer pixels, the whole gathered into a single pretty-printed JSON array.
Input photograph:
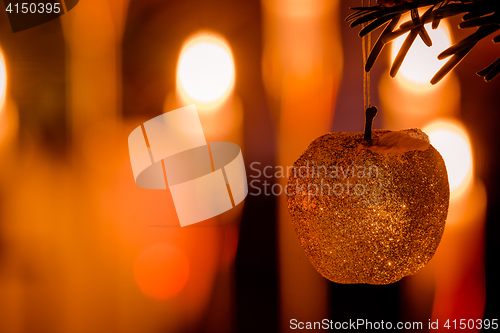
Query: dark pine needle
[{"x": 481, "y": 14}]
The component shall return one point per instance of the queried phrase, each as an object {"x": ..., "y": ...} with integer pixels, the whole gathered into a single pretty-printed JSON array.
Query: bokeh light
[
  {"x": 452, "y": 141},
  {"x": 161, "y": 271},
  {"x": 3, "y": 80},
  {"x": 205, "y": 71},
  {"x": 421, "y": 62}
]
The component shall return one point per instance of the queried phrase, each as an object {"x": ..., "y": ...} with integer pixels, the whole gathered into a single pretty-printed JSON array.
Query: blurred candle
[
  {"x": 94, "y": 68},
  {"x": 11, "y": 287},
  {"x": 301, "y": 68},
  {"x": 409, "y": 100},
  {"x": 206, "y": 78},
  {"x": 433, "y": 291},
  {"x": 459, "y": 279}
]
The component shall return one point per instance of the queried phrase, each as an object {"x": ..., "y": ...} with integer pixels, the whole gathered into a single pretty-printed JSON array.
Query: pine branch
[{"x": 481, "y": 14}]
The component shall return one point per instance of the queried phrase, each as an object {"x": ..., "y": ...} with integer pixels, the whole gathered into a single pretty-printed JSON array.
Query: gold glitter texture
[{"x": 369, "y": 214}]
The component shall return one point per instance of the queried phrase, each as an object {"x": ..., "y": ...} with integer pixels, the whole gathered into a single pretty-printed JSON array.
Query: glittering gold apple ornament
[{"x": 369, "y": 208}]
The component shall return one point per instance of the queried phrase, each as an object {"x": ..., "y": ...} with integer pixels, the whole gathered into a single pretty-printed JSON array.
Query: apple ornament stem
[{"x": 369, "y": 207}]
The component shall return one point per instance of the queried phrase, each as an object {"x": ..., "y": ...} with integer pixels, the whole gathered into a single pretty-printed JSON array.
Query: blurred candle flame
[
  {"x": 3, "y": 80},
  {"x": 452, "y": 141},
  {"x": 205, "y": 71},
  {"x": 421, "y": 62}
]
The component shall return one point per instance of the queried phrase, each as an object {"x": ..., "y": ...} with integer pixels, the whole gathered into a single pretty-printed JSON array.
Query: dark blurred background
[{"x": 82, "y": 248}]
